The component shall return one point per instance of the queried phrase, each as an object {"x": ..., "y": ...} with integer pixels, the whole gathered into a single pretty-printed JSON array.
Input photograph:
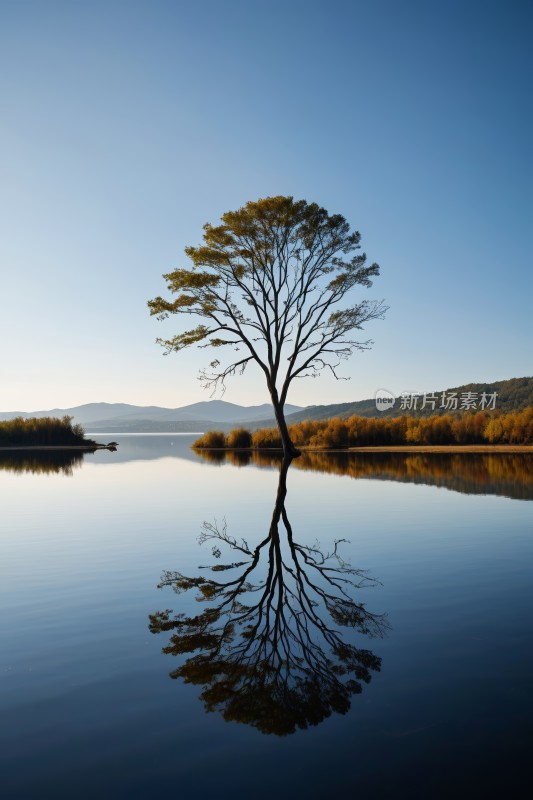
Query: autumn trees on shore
[{"x": 515, "y": 427}]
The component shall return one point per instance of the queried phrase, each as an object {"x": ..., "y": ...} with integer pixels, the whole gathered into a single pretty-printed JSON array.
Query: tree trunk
[{"x": 289, "y": 450}]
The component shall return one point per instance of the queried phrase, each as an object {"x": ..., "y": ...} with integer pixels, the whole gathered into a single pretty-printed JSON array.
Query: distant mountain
[
  {"x": 82, "y": 414},
  {"x": 513, "y": 395},
  {"x": 122, "y": 416}
]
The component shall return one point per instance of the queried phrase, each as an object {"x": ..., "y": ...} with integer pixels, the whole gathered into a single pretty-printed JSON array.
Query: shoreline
[
  {"x": 450, "y": 448},
  {"x": 401, "y": 448},
  {"x": 85, "y": 447}
]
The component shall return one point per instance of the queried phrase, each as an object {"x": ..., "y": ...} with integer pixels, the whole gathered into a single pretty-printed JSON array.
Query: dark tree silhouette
[
  {"x": 267, "y": 282},
  {"x": 267, "y": 646}
]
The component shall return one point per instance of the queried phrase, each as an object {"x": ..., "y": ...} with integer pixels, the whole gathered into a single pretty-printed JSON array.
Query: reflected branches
[{"x": 267, "y": 648}]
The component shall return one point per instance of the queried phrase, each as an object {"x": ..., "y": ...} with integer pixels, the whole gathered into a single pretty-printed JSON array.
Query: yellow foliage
[{"x": 211, "y": 439}]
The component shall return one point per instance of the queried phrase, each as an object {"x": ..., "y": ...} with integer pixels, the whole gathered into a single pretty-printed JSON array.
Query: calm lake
[{"x": 172, "y": 624}]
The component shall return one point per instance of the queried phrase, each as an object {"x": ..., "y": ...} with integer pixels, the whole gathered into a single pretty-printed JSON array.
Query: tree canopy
[{"x": 268, "y": 283}]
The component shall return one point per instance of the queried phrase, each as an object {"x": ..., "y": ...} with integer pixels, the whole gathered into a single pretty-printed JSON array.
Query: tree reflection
[
  {"x": 42, "y": 462},
  {"x": 267, "y": 647},
  {"x": 504, "y": 474}
]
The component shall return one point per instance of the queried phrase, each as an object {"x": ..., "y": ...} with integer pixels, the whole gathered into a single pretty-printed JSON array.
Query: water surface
[{"x": 435, "y": 633}]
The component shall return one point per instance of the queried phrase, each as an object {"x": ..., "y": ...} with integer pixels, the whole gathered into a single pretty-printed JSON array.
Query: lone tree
[{"x": 268, "y": 281}]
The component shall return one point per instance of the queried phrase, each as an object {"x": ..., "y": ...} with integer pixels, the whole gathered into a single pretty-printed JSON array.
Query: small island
[{"x": 47, "y": 433}]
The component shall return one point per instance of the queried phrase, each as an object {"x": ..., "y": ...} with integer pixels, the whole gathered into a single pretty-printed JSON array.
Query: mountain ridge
[
  {"x": 514, "y": 394},
  {"x": 211, "y": 411}
]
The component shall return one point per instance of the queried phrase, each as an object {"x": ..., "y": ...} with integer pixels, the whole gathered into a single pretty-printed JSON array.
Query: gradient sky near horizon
[{"x": 125, "y": 126}]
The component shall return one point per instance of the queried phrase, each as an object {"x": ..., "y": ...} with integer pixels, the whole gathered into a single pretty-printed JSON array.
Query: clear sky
[{"x": 125, "y": 126}]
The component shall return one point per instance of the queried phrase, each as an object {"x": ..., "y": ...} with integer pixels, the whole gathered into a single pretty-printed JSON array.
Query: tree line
[
  {"x": 41, "y": 431},
  {"x": 482, "y": 427}
]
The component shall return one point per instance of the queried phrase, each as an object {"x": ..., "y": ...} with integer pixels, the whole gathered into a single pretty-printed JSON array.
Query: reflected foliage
[
  {"x": 42, "y": 462},
  {"x": 267, "y": 647},
  {"x": 504, "y": 474}
]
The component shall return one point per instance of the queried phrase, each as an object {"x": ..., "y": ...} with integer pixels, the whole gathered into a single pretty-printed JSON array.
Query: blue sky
[{"x": 125, "y": 126}]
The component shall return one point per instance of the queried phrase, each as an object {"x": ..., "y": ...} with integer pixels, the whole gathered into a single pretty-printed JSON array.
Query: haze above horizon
[{"x": 126, "y": 127}]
